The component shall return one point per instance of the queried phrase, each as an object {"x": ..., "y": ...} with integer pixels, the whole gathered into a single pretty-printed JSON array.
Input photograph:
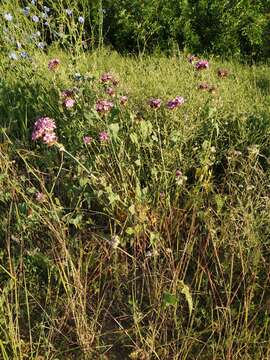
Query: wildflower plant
[{"x": 44, "y": 129}]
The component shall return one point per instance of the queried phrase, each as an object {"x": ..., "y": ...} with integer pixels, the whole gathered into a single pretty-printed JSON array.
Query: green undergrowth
[{"x": 152, "y": 245}]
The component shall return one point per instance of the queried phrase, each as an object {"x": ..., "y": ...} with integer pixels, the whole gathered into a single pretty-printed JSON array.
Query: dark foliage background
[
  {"x": 226, "y": 27},
  {"x": 222, "y": 27}
]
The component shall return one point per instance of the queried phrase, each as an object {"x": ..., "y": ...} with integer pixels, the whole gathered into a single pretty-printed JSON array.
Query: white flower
[
  {"x": 68, "y": 12},
  {"x": 81, "y": 19},
  {"x": 115, "y": 241},
  {"x": 8, "y": 17},
  {"x": 13, "y": 56}
]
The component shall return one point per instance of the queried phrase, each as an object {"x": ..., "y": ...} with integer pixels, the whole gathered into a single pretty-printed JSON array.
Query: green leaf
[
  {"x": 134, "y": 138},
  {"x": 154, "y": 238},
  {"x": 83, "y": 181},
  {"x": 146, "y": 128},
  {"x": 23, "y": 208},
  {"x": 175, "y": 136},
  {"x": 169, "y": 299},
  {"x": 138, "y": 191},
  {"x": 184, "y": 289},
  {"x": 220, "y": 201},
  {"x": 90, "y": 117},
  {"x": 114, "y": 129},
  {"x": 130, "y": 231},
  {"x": 112, "y": 196},
  {"x": 76, "y": 221}
]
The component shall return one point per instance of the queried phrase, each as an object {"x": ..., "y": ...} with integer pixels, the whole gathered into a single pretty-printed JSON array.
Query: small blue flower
[
  {"x": 8, "y": 17},
  {"x": 35, "y": 18},
  {"x": 24, "y": 54},
  {"x": 26, "y": 11},
  {"x": 68, "y": 12},
  {"x": 13, "y": 56},
  {"x": 81, "y": 19},
  {"x": 46, "y": 23},
  {"x": 33, "y": 2}
]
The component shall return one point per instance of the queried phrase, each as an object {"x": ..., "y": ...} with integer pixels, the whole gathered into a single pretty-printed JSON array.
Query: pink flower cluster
[
  {"x": 123, "y": 99},
  {"x": 69, "y": 100},
  {"x": 155, "y": 103},
  {"x": 108, "y": 78},
  {"x": 103, "y": 106},
  {"x": 178, "y": 101},
  {"x": 53, "y": 64},
  {"x": 87, "y": 140},
  {"x": 110, "y": 82},
  {"x": 69, "y": 103},
  {"x": 40, "y": 197},
  {"x": 110, "y": 91},
  {"x": 67, "y": 93},
  {"x": 103, "y": 137},
  {"x": 203, "y": 86},
  {"x": 201, "y": 65},
  {"x": 44, "y": 128},
  {"x": 171, "y": 104}
]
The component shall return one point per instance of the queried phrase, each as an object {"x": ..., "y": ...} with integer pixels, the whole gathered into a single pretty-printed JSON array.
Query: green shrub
[{"x": 219, "y": 26}]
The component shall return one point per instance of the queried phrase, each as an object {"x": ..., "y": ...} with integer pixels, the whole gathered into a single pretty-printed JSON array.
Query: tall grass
[{"x": 153, "y": 245}]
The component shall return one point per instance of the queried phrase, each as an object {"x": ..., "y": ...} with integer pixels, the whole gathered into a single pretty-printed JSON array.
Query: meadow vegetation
[{"x": 134, "y": 202}]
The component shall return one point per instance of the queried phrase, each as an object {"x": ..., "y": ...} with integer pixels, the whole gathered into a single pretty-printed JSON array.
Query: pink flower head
[
  {"x": 53, "y": 64},
  {"x": 222, "y": 73},
  {"x": 87, "y": 140},
  {"x": 40, "y": 197},
  {"x": 178, "y": 101},
  {"x": 180, "y": 178},
  {"x": 201, "y": 65},
  {"x": 123, "y": 99},
  {"x": 106, "y": 77},
  {"x": 67, "y": 93},
  {"x": 110, "y": 91},
  {"x": 104, "y": 136},
  {"x": 69, "y": 103},
  {"x": 50, "y": 138},
  {"x": 203, "y": 86},
  {"x": 154, "y": 103},
  {"x": 44, "y": 128},
  {"x": 103, "y": 106}
]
